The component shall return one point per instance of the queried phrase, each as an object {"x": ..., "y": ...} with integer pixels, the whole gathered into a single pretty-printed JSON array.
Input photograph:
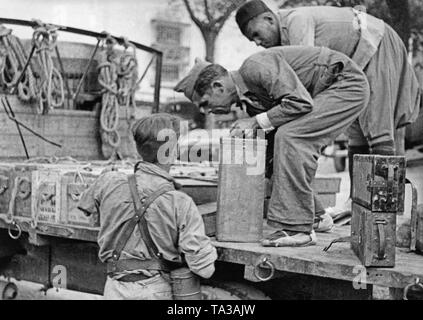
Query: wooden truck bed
[
  {"x": 74, "y": 247},
  {"x": 339, "y": 262}
]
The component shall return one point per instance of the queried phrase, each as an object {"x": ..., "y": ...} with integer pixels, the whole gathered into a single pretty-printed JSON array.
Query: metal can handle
[{"x": 382, "y": 239}]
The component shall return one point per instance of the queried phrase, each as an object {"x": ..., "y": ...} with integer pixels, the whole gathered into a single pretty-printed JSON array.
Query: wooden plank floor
[{"x": 338, "y": 263}]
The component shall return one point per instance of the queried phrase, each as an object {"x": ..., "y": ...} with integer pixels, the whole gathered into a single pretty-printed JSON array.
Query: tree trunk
[
  {"x": 400, "y": 13},
  {"x": 210, "y": 40}
]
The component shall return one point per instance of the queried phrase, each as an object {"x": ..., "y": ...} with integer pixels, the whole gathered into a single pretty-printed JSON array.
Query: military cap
[{"x": 186, "y": 85}]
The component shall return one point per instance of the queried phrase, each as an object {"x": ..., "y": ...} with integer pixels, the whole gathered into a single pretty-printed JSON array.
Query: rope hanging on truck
[
  {"x": 51, "y": 93},
  {"x": 12, "y": 61},
  {"x": 127, "y": 79},
  {"x": 107, "y": 77},
  {"x": 118, "y": 73}
]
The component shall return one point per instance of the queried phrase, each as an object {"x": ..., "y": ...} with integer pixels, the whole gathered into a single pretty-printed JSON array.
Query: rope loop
[
  {"x": 12, "y": 62},
  {"x": 118, "y": 73},
  {"x": 51, "y": 88}
]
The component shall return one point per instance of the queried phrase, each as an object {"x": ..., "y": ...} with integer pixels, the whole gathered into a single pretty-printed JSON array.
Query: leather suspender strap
[{"x": 141, "y": 206}]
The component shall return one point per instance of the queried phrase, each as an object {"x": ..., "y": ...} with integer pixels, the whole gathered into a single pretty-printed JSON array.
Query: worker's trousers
[
  {"x": 394, "y": 96},
  {"x": 298, "y": 144}
]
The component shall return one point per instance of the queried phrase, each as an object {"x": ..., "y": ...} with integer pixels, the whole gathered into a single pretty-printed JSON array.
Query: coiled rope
[
  {"x": 107, "y": 77},
  {"x": 51, "y": 93},
  {"x": 127, "y": 79},
  {"x": 118, "y": 77},
  {"x": 12, "y": 61}
]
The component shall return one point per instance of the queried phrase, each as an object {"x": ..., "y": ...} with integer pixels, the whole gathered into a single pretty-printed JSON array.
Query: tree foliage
[{"x": 210, "y": 16}]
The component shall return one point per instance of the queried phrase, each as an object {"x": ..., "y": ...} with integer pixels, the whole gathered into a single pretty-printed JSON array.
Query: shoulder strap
[{"x": 141, "y": 206}]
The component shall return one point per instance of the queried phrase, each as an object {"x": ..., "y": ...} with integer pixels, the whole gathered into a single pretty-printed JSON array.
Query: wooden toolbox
[
  {"x": 373, "y": 236},
  {"x": 379, "y": 182},
  {"x": 241, "y": 190},
  {"x": 378, "y": 196},
  {"x": 418, "y": 225}
]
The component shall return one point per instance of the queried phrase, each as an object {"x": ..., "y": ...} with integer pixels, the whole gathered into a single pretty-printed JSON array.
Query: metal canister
[
  {"x": 185, "y": 285},
  {"x": 241, "y": 176}
]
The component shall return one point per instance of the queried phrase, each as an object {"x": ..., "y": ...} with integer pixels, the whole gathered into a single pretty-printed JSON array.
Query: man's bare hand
[{"x": 244, "y": 127}]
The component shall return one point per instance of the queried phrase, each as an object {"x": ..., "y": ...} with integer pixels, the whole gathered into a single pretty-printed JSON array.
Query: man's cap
[
  {"x": 186, "y": 85},
  {"x": 248, "y": 11}
]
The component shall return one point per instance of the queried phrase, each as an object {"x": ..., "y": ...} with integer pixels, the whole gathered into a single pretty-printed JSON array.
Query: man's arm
[
  {"x": 90, "y": 199},
  {"x": 176, "y": 224},
  {"x": 272, "y": 73},
  {"x": 197, "y": 248}
]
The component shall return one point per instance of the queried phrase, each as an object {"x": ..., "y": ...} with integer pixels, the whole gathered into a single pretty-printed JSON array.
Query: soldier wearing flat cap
[{"x": 303, "y": 97}]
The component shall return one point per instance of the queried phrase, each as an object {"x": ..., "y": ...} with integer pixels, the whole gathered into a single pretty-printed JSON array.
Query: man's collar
[
  {"x": 153, "y": 169},
  {"x": 240, "y": 86},
  {"x": 282, "y": 16},
  {"x": 241, "y": 89}
]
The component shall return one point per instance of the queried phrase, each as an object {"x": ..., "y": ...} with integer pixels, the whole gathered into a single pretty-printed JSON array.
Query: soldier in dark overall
[{"x": 140, "y": 251}]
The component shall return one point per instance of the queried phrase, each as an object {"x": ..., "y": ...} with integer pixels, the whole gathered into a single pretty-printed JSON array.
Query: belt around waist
[
  {"x": 136, "y": 264},
  {"x": 134, "y": 277}
]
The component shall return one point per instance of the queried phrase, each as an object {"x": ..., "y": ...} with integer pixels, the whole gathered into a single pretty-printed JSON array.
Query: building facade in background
[{"x": 163, "y": 24}]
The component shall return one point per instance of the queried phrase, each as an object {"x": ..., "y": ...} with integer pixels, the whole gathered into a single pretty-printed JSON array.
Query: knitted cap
[{"x": 248, "y": 11}]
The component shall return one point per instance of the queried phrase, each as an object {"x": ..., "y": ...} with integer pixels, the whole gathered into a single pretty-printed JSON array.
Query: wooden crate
[
  {"x": 379, "y": 182},
  {"x": 327, "y": 199},
  {"x": 326, "y": 185},
  {"x": 241, "y": 190},
  {"x": 46, "y": 197},
  {"x": 200, "y": 191},
  {"x": 56, "y": 192},
  {"x": 418, "y": 233},
  {"x": 373, "y": 236},
  {"x": 208, "y": 213},
  {"x": 72, "y": 184},
  {"x": 22, "y": 183},
  {"x": 6, "y": 186}
]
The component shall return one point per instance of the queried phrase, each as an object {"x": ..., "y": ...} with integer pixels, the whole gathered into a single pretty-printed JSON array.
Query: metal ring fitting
[
  {"x": 9, "y": 230},
  {"x": 265, "y": 264}
]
